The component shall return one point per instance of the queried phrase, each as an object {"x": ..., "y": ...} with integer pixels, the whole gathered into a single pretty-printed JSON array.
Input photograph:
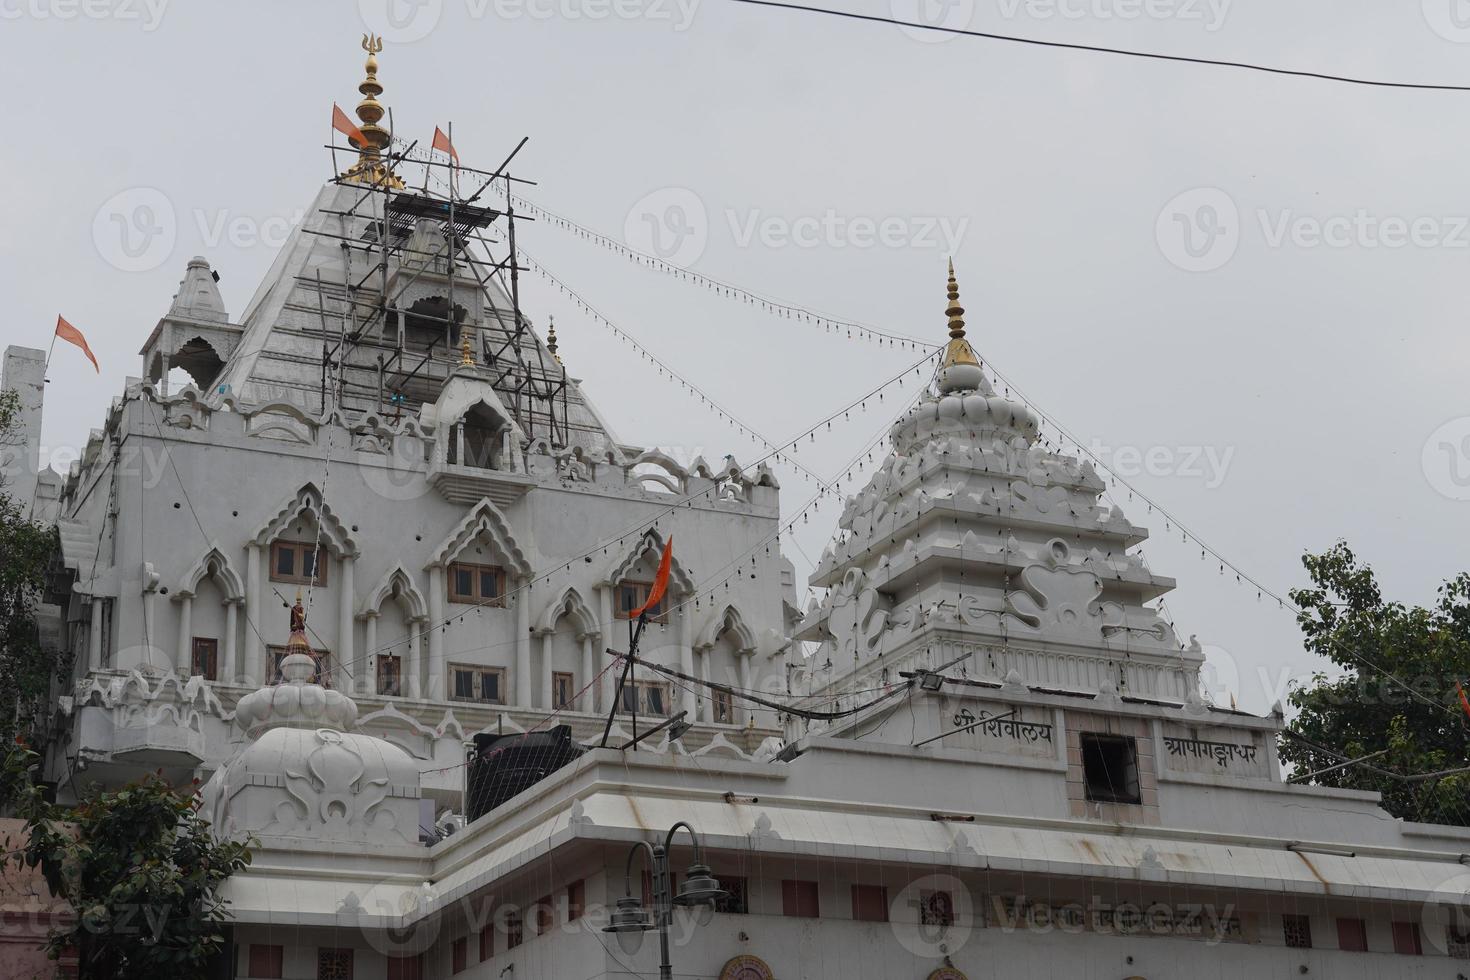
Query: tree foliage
[
  {"x": 25, "y": 551},
  {"x": 1397, "y": 693},
  {"x": 139, "y": 868}
]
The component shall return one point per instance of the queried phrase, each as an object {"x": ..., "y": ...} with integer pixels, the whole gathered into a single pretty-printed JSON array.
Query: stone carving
[
  {"x": 331, "y": 787},
  {"x": 859, "y": 616}
]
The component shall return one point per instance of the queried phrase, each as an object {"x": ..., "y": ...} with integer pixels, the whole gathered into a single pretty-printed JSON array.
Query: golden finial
[
  {"x": 466, "y": 357},
  {"x": 551, "y": 339},
  {"x": 370, "y": 168},
  {"x": 955, "y": 311},
  {"x": 958, "y": 351}
]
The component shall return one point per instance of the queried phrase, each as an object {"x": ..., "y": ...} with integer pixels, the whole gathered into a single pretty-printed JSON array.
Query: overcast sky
[{"x": 1252, "y": 286}]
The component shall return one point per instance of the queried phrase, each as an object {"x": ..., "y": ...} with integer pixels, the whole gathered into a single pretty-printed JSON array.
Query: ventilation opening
[{"x": 1110, "y": 768}]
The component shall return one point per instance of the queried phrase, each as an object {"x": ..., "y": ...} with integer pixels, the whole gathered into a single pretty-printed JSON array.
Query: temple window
[
  {"x": 799, "y": 899},
  {"x": 646, "y": 698},
  {"x": 869, "y": 903},
  {"x": 204, "y": 658},
  {"x": 1407, "y": 939},
  {"x": 267, "y": 962},
  {"x": 632, "y": 595},
  {"x": 477, "y": 584},
  {"x": 298, "y": 563},
  {"x": 562, "y": 691},
  {"x": 724, "y": 713},
  {"x": 1110, "y": 768},
  {"x": 1352, "y": 935},
  {"x": 334, "y": 964},
  {"x": 1296, "y": 930},
  {"x": 484, "y": 684},
  {"x": 390, "y": 675}
]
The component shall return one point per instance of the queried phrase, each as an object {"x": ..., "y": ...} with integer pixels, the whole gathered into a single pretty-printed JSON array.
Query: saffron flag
[
  {"x": 441, "y": 142},
  {"x": 65, "y": 331},
  {"x": 660, "y": 581},
  {"x": 343, "y": 125},
  {"x": 1464, "y": 701}
]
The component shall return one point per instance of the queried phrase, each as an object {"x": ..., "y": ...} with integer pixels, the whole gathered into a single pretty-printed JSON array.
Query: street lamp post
[{"x": 630, "y": 920}]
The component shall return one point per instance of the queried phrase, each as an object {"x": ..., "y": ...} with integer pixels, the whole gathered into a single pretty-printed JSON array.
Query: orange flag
[
  {"x": 72, "y": 335},
  {"x": 441, "y": 142},
  {"x": 343, "y": 125},
  {"x": 660, "y": 581},
  {"x": 1464, "y": 701}
]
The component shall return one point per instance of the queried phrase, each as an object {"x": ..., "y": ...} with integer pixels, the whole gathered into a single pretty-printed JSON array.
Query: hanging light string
[
  {"x": 668, "y": 372},
  {"x": 801, "y": 314},
  {"x": 640, "y": 527}
]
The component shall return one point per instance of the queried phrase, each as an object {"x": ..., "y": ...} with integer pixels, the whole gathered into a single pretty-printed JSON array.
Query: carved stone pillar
[
  {"x": 745, "y": 656},
  {"x": 523, "y": 645},
  {"x": 94, "y": 636},
  {"x": 183, "y": 657},
  {"x": 548, "y": 643},
  {"x": 370, "y": 655},
  {"x": 347, "y": 666},
  {"x": 584, "y": 700},
  {"x": 228, "y": 668},
  {"x": 254, "y": 646},
  {"x": 608, "y": 688},
  {"x": 437, "y": 687},
  {"x": 413, "y": 666},
  {"x": 691, "y": 699}
]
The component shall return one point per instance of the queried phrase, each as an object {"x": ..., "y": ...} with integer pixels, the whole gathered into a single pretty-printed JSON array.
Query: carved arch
[
  {"x": 213, "y": 562},
  {"x": 397, "y": 583},
  {"x": 308, "y": 500},
  {"x": 570, "y": 604},
  {"x": 484, "y": 518},
  {"x": 651, "y": 542},
  {"x": 728, "y": 619}
]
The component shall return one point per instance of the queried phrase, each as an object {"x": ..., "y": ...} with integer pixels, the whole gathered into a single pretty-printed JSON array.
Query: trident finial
[
  {"x": 466, "y": 357},
  {"x": 372, "y": 44},
  {"x": 371, "y": 167}
]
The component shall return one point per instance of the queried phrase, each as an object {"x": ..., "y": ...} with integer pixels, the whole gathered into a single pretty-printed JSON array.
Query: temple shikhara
[{"x": 379, "y": 598}]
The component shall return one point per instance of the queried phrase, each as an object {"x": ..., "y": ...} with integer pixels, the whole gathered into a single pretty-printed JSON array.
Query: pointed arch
[
  {"x": 484, "y": 518},
  {"x": 728, "y": 620},
  {"x": 570, "y": 604},
  {"x": 308, "y": 500},
  {"x": 213, "y": 562},
  {"x": 650, "y": 543},
  {"x": 397, "y": 583}
]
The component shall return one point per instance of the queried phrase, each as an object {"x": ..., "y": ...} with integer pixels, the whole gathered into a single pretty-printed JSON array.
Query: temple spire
[
  {"x": 551, "y": 339},
  {"x": 955, "y": 311},
  {"x": 959, "y": 369},
  {"x": 370, "y": 167}
]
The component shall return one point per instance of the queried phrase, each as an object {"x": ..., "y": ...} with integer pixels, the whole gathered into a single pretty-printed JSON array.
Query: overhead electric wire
[{"x": 1104, "y": 49}]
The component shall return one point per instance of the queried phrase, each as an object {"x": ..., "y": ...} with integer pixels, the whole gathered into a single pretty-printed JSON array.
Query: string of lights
[{"x": 830, "y": 324}]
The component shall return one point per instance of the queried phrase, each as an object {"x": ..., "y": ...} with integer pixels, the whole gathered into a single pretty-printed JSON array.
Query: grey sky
[{"x": 1287, "y": 392}]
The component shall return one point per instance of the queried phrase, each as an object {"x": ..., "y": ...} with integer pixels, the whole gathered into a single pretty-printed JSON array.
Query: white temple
[{"x": 999, "y": 763}]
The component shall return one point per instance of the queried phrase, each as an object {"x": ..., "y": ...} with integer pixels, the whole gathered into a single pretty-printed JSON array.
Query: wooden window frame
[
  {"x": 869, "y": 903},
  {"x": 515, "y": 930},
  {"x": 640, "y": 691},
  {"x": 936, "y": 908},
  {"x": 545, "y": 915},
  {"x": 1408, "y": 938},
  {"x": 476, "y": 596},
  {"x": 576, "y": 900},
  {"x": 299, "y": 549},
  {"x": 478, "y": 671},
  {"x": 211, "y": 644},
  {"x": 794, "y": 892},
  {"x": 1349, "y": 927},
  {"x": 459, "y": 955},
  {"x": 558, "y": 679},
  {"x": 266, "y": 961},
  {"x": 323, "y": 659},
  {"x": 722, "y": 707},
  {"x": 404, "y": 967},
  {"x": 626, "y": 602},
  {"x": 487, "y": 942},
  {"x": 389, "y": 660}
]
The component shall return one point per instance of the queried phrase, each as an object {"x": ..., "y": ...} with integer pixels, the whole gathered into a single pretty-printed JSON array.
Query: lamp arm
[
  {"x": 635, "y": 850},
  {"x": 698, "y": 844}
]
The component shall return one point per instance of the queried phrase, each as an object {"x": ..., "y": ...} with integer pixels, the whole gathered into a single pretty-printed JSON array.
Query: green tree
[
  {"x": 25, "y": 551},
  {"x": 1396, "y": 695},
  {"x": 138, "y": 866}
]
